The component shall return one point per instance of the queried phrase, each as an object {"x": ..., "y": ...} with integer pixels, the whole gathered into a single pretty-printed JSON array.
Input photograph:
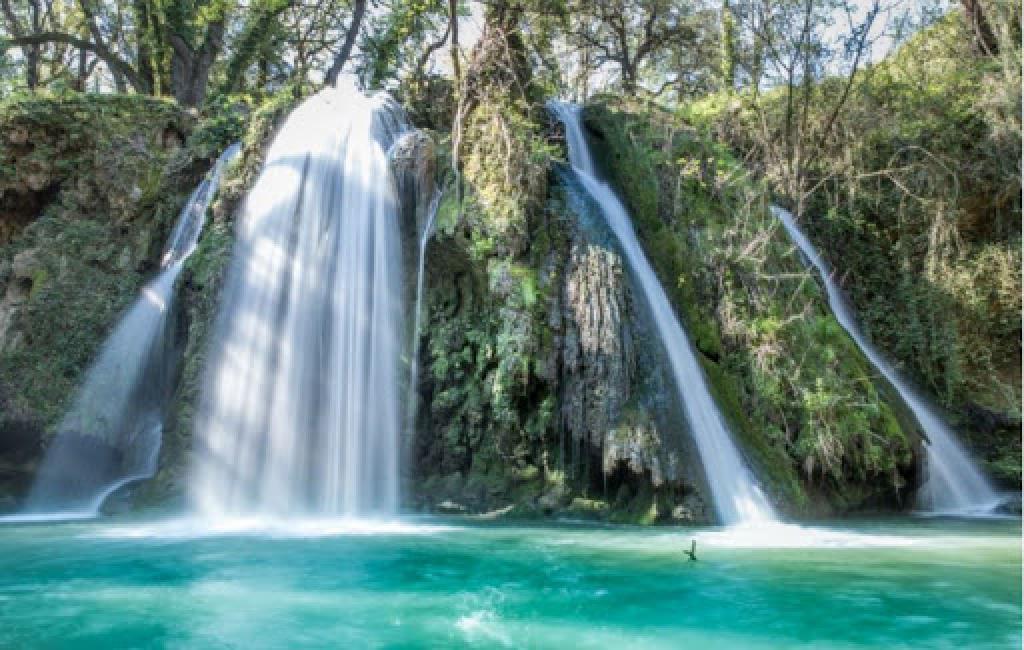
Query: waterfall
[
  {"x": 299, "y": 414},
  {"x": 954, "y": 484},
  {"x": 111, "y": 435},
  {"x": 428, "y": 229},
  {"x": 737, "y": 497}
]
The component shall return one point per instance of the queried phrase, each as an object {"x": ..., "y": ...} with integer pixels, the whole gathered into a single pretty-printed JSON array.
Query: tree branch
[
  {"x": 116, "y": 63},
  {"x": 358, "y": 9}
]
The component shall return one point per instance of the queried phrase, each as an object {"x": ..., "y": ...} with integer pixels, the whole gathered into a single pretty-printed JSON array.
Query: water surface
[{"x": 429, "y": 583}]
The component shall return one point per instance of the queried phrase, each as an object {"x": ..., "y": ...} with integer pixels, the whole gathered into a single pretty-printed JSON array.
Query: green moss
[
  {"x": 797, "y": 393},
  {"x": 920, "y": 210},
  {"x": 109, "y": 179},
  {"x": 588, "y": 508}
]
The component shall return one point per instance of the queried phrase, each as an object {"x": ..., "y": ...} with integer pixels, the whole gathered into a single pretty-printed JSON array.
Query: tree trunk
[
  {"x": 190, "y": 69},
  {"x": 628, "y": 78},
  {"x": 83, "y": 70},
  {"x": 358, "y": 9},
  {"x": 31, "y": 54},
  {"x": 728, "y": 63},
  {"x": 144, "y": 51},
  {"x": 984, "y": 39},
  {"x": 31, "y": 51}
]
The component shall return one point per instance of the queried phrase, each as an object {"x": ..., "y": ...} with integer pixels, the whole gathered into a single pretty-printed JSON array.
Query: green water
[{"x": 431, "y": 583}]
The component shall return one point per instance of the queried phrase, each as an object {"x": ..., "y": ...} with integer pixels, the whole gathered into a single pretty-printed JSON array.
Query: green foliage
[
  {"x": 798, "y": 394},
  {"x": 397, "y": 38},
  {"x": 110, "y": 179},
  {"x": 919, "y": 208},
  {"x": 225, "y": 121}
]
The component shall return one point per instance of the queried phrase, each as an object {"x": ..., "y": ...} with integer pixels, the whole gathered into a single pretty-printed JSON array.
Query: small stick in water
[{"x": 693, "y": 550}]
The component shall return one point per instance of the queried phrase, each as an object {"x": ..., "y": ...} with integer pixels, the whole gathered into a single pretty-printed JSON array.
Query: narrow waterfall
[
  {"x": 954, "y": 485},
  {"x": 414, "y": 364},
  {"x": 737, "y": 497},
  {"x": 111, "y": 435},
  {"x": 300, "y": 411}
]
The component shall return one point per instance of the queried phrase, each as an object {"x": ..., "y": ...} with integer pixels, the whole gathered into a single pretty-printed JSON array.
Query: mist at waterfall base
[
  {"x": 736, "y": 495},
  {"x": 300, "y": 415},
  {"x": 954, "y": 484},
  {"x": 111, "y": 435}
]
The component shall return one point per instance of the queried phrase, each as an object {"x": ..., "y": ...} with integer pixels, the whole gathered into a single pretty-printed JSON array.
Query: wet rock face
[
  {"x": 21, "y": 274},
  {"x": 21, "y": 445},
  {"x": 413, "y": 166},
  {"x": 597, "y": 347},
  {"x": 995, "y": 438},
  {"x": 616, "y": 405}
]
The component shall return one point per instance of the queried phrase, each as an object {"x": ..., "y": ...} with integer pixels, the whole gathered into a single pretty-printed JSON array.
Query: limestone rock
[
  {"x": 24, "y": 264},
  {"x": 597, "y": 350}
]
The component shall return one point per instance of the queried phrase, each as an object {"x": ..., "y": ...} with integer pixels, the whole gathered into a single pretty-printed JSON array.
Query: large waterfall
[
  {"x": 737, "y": 497},
  {"x": 954, "y": 484},
  {"x": 300, "y": 411},
  {"x": 112, "y": 433}
]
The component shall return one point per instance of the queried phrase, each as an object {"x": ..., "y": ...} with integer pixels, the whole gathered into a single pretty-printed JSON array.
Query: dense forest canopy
[
  {"x": 755, "y": 52},
  {"x": 193, "y": 50}
]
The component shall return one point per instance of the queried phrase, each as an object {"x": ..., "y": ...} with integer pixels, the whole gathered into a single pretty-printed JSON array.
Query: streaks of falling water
[
  {"x": 300, "y": 411},
  {"x": 737, "y": 497},
  {"x": 111, "y": 436},
  {"x": 414, "y": 365},
  {"x": 954, "y": 485}
]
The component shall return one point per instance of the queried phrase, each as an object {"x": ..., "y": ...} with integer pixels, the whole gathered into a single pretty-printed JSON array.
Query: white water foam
[
  {"x": 789, "y": 536},
  {"x": 281, "y": 528}
]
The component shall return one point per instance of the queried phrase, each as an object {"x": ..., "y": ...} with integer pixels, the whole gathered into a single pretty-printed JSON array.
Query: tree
[
  {"x": 397, "y": 40},
  {"x": 629, "y": 33},
  {"x": 29, "y": 21},
  {"x": 728, "y": 64},
  {"x": 984, "y": 38},
  {"x": 358, "y": 10},
  {"x": 794, "y": 54},
  {"x": 261, "y": 34},
  {"x": 170, "y": 47},
  {"x": 176, "y": 47},
  {"x": 193, "y": 32}
]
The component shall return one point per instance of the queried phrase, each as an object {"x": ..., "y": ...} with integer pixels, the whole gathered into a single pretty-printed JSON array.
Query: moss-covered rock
[
  {"x": 533, "y": 396},
  {"x": 803, "y": 403},
  {"x": 89, "y": 188},
  {"x": 487, "y": 422},
  {"x": 918, "y": 208}
]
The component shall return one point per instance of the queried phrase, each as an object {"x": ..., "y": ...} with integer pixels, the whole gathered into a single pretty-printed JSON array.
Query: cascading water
[
  {"x": 737, "y": 497},
  {"x": 300, "y": 413},
  {"x": 954, "y": 484},
  {"x": 111, "y": 435},
  {"x": 428, "y": 229}
]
